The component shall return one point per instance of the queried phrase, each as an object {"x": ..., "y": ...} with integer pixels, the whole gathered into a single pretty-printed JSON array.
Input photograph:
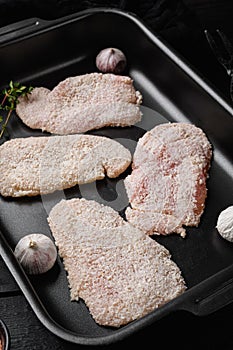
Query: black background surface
[{"x": 182, "y": 25}]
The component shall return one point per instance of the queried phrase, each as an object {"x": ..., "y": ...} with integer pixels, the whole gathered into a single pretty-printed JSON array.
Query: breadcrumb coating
[{"x": 120, "y": 273}]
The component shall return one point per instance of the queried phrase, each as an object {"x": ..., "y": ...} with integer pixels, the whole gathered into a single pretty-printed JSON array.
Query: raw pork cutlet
[
  {"x": 120, "y": 273},
  {"x": 167, "y": 187},
  {"x": 41, "y": 165},
  {"x": 82, "y": 103}
]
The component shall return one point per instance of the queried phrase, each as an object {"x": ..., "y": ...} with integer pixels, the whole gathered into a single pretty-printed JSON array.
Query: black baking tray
[{"x": 42, "y": 53}]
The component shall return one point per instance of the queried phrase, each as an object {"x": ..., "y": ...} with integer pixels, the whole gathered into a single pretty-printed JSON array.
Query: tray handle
[
  {"x": 210, "y": 295},
  {"x": 16, "y": 30}
]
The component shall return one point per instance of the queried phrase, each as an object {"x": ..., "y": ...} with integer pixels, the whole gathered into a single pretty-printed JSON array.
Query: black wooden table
[{"x": 181, "y": 330}]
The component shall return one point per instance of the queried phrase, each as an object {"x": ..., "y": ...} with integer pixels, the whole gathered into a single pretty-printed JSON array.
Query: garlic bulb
[
  {"x": 225, "y": 224},
  {"x": 111, "y": 60},
  {"x": 36, "y": 252}
]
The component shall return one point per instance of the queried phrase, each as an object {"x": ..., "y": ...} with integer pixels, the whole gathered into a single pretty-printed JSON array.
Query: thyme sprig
[{"x": 10, "y": 99}]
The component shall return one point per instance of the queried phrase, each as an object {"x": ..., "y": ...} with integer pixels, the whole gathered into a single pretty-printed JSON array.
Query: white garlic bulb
[
  {"x": 225, "y": 224},
  {"x": 111, "y": 60},
  {"x": 36, "y": 253}
]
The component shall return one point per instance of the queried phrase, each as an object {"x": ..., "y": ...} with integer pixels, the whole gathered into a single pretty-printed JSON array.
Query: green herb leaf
[{"x": 10, "y": 98}]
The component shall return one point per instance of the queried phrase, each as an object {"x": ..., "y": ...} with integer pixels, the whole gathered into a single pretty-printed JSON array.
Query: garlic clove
[
  {"x": 36, "y": 253},
  {"x": 225, "y": 223},
  {"x": 111, "y": 60}
]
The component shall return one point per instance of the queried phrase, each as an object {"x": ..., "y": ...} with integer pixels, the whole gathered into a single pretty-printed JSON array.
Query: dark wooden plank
[
  {"x": 8, "y": 286},
  {"x": 26, "y": 331}
]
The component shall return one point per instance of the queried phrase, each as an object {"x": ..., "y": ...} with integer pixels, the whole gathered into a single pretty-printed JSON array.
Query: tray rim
[
  {"x": 181, "y": 302},
  {"x": 38, "y": 26}
]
